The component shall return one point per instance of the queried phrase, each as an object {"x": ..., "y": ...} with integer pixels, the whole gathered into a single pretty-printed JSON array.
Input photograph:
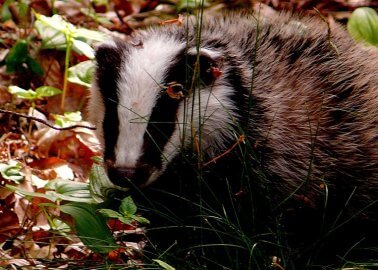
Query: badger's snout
[{"x": 128, "y": 177}]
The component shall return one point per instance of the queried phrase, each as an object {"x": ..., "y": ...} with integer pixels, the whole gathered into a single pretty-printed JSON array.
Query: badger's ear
[{"x": 208, "y": 61}]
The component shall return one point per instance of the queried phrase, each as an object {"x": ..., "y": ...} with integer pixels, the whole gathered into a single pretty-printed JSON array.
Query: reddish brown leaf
[
  {"x": 116, "y": 225},
  {"x": 42, "y": 237},
  {"x": 9, "y": 224}
]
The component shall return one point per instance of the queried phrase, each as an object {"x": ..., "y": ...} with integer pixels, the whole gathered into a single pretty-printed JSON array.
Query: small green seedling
[
  {"x": 39, "y": 93},
  {"x": 126, "y": 213},
  {"x": 67, "y": 119},
  {"x": 56, "y": 33}
]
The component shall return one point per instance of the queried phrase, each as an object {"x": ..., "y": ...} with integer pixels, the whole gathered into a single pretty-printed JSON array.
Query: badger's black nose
[
  {"x": 128, "y": 177},
  {"x": 123, "y": 177}
]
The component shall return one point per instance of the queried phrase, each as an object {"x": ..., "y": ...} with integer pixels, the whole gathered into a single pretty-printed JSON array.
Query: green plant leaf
[
  {"x": 5, "y": 12},
  {"x": 17, "y": 55},
  {"x": 127, "y": 207},
  {"x": 47, "y": 91},
  {"x": 40, "y": 92},
  {"x": 82, "y": 33},
  {"x": 28, "y": 194},
  {"x": 109, "y": 213},
  {"x": 125, "y": 220},
  {"x": 60, "y": 227},
  {"x": 55, "y": 31},
  {"x": 164, "y": 265},
  {"x": 81, "y": 73},
  {"x": 68, "y": 119},
  {"x": 22, "y": 93},
  {"x": 99, "y": 183},
  {"x": 52, "y": 31},
  {"x": 55, "y": 22},
  {"x": 363, "y": 25},
  {"x": 34, "y": 66},
  {"x": 67, "y": 190},
  {"x": 83, "y": 48},
  {"x": 90, "y": 227},
  {"x": 141, "y": 220},
  {"x": 12, "y": 172}
]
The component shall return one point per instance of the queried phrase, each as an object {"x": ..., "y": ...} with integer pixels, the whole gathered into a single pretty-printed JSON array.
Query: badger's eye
[{"x": 175, "y": 90}]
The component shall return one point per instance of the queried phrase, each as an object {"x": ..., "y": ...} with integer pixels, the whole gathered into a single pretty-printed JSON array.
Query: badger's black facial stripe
[
  {"x": 109, "y": 59},
  {"x": 159, "y": 129},
  {"x": 162, "y": 121}
]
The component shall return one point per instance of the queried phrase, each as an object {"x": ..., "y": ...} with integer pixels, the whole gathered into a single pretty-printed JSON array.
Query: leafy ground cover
[{"x": 50, "y": 215}]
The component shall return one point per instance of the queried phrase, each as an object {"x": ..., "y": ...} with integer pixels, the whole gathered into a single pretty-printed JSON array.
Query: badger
[{"x": 294, "y": 96}]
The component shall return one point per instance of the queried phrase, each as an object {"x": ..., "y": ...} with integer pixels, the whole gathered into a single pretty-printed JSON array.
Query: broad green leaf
[
  {"x": 164, "y": 265},
  {"x": 47, "y": 91},
  {"x": 127, "y": 207},
  {"x": 82, "y": 33},
  {"x": 55, "y": 22},
  {"x": 363, "y": 25},
  {"x": 80, "y": 196},
  {"x": 51, "y": 30},
  {"x": 83, "y": 48},
  {"x": 81, "y": 73},
  {"x": 67, "y": 190},
  {"x": 55, "y": 33},
  {"x": 12, "y": 172},
  {"x": 109, "y": 213},
  {"x": 21, "y": 93},
  {"x": 90, "y": 227},
  {"x": 29, "y": 195}
]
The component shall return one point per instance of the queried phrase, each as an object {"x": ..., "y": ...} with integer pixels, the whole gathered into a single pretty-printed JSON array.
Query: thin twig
[
  {"x": 241, "y": 139},
  {"x": 45, "y": 122}
]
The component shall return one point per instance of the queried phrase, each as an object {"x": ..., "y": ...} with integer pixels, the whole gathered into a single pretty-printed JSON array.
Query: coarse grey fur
[{"x": 305, "y": 95}]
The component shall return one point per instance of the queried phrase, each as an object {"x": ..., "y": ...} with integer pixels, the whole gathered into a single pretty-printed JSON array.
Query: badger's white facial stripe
[{"x": 138, "y": 89}]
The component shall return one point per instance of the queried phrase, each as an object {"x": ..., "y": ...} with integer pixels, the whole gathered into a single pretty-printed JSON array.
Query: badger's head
[{"x": 156, "y": 95}]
